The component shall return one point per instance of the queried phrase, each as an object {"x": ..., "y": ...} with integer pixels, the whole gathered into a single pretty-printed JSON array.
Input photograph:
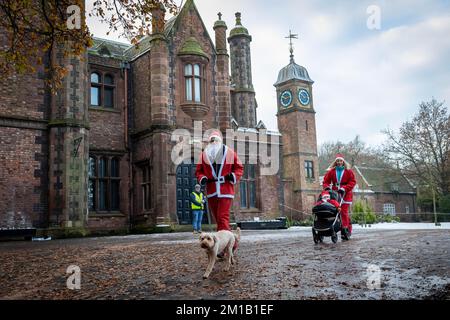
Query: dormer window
[{"x": 194, "y": 79}]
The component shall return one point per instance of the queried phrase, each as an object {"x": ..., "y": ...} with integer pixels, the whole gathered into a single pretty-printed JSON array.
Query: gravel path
[{"x": 279, "y": 264}]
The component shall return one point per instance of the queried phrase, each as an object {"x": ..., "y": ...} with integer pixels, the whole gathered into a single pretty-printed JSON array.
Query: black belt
[{"x": 221, "y": 180}]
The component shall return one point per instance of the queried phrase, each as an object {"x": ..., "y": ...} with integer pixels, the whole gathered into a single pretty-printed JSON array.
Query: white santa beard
[{"x": 212, "y": 150}]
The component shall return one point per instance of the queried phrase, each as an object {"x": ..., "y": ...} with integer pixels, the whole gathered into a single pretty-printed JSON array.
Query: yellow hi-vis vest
[{"x": 199, "y": 199}]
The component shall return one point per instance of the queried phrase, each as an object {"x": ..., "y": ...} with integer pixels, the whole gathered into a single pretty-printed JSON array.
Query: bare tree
[
  {"x": 355, "y": 151},
  {"x": 422, "y": 146}
]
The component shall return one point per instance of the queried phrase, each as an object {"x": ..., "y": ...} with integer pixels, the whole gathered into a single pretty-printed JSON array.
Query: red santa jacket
[
  {"x": 347, "y": 183},
  {"x": 331, "y": 201},
  {"x": 230, "y": 164}
]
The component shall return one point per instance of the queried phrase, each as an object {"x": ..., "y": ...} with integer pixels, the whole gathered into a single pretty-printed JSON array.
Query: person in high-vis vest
[{"x": 197, "y": 207}]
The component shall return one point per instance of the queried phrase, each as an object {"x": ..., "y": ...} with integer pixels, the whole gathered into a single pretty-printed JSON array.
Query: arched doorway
[{"x": 185, "y": 185}]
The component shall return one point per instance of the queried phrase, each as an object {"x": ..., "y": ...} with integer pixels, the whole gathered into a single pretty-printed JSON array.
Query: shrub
[
  {"x": 362, "y": 213},
  {"x": 444, "y": 204},
  {"x": 425, "y": 202},
  {"x": 308, "y": 222},
  {"x": 387, "y": 218}
]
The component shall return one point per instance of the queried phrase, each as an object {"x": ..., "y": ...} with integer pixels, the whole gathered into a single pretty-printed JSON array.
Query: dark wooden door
[{"x": 185, "y": 185}]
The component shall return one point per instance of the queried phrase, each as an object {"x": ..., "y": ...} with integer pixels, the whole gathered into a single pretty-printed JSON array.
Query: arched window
[
  {"x": 95, "y": 89},
  {"x": 102, "y": 92},
  {"x": 92, "y": 195},
  {"x": 95, "y": 77},
  {"x": 194, "y": 79},
  {"x": 108, "y": 91},
  {"x": 197, "y": 83}
]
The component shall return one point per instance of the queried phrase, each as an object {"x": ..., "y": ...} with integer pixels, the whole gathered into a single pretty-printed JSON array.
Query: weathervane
[{"x": 291, "y": 47}]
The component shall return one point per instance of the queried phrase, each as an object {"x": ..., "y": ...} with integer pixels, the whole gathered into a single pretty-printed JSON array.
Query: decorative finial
[
  {"x": 238, "y": 18},
  {"x": 220, "y": 15},
  {"x": 291, "y": 47}
]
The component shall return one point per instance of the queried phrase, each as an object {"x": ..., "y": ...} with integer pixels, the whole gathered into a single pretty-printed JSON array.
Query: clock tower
[{"x": 297, "y": 124}]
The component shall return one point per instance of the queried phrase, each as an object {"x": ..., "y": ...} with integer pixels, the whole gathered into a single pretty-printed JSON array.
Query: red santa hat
[
  {"x": 325, "y": 195},
  {"x": 215, "y": 134},
  {"x": 339, "y": 156}
]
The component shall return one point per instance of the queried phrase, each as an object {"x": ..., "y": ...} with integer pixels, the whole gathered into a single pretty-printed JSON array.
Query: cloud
[
  {"x": 365, "y": 80},
  {"x": 380, "y": 80}
]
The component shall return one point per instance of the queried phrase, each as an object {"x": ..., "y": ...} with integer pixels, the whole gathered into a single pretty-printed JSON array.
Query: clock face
[
  {"x": 303, "y": 97},
  {"x": 286, "y": 98}
]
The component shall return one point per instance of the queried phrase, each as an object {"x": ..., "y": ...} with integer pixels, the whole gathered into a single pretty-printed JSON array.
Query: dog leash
[{"x": 302, "y": 212}]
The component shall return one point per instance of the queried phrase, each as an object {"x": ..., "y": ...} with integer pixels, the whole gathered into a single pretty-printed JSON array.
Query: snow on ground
[
  {"x": 271, "y": 264},
  {"x": 392, "y": 226},
  {"x": 404, "y": 226},
  {"x": 294, "y": 232},
  {"x": 187, "y": 237}
]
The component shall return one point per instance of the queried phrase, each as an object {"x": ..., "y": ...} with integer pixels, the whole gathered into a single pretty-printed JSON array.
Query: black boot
[{"x": 345, "y": 234}]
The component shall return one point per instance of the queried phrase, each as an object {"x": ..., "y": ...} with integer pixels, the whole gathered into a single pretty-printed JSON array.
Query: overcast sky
[{"x": 365, "y": 80}]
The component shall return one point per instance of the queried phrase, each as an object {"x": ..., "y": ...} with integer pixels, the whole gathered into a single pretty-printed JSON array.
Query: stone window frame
[
  {"x": 102, "y": 86},
  {"x": 146, "y": 187},
  {"x": 309, "y": 170},
  {"x": 203, "y": 62},
  {"x": 248, "y": 180},
  {"x": 193, "y": 77},
  {"x": 112, "y": 198}
]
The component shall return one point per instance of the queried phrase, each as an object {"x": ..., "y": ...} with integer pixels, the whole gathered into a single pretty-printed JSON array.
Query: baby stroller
[{"x": 327, "y": 219}]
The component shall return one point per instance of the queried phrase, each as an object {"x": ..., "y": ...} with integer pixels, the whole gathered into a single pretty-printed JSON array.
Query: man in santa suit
[
  {"x": 219, "y": 169},
  {"x": 341, "y": 178}
]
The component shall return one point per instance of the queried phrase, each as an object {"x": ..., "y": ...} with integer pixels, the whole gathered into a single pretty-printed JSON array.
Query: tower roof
[
  {"x": 239, "y": 29},
  {"x": 293, "y": 71},
  {"x": 220, "y": 22},
  {"x": 192, "y": 47}
]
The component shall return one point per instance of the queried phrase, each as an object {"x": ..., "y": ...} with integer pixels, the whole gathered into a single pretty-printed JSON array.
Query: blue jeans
[{"x": 197, "y": 216}]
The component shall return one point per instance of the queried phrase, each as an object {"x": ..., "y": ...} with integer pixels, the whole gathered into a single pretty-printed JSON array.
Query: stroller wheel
[
  {"x": 334, "y": 237},
  {"x": 320, "y": 239},
  {"x": 315, "y": 236}
]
